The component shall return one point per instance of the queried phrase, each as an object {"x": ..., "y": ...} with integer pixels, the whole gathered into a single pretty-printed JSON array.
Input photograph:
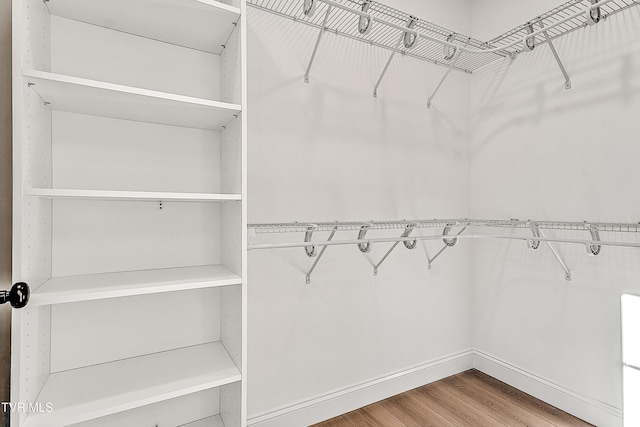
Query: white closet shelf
[
  {"x": 87, "y": 287},
  {"x": 214, "y": 421},
  {"x": 154, "y": 196},
  {"x": 84, "y": 96},
  {"x": 96, "y": 391},
  {"x": 198, "y": 24}
]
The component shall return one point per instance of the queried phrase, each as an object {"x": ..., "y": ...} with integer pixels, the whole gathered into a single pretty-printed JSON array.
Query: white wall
[
  {"x": 329, "y": 151},
  {"x": 490, "y": 18},
  {"x": 540, "y": 152}
]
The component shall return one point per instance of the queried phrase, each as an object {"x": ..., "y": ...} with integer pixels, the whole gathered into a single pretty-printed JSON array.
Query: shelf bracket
[
  {"x": 409, "y": 244},
  {"x": 448, "y": 243},
  {"x": 408, "y": 43},
  {"x": 386, "y": 67},
  {"x": 315, "y": 48},
  {"x": 567, "y": 79},
  {"x": 324, "y": 248},
  {"x": 455, "y": 56},
  {"x": 567, "y": 272}
]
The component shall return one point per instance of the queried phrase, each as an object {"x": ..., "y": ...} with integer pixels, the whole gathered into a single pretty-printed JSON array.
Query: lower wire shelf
[{"x": 96, "y": 391}]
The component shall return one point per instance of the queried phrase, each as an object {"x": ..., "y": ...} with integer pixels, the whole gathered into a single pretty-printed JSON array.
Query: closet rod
[
  {"x": 439, "y": 237},
  {"x": 459, "y": 48}
]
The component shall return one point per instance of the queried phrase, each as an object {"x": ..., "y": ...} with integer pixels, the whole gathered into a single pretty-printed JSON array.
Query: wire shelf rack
[
  {"x": 301, "y": 227},
  {"x": 344, "y": 22},
  {"x": 572, "y": 7},
  {"x": 452, "y": 230}
]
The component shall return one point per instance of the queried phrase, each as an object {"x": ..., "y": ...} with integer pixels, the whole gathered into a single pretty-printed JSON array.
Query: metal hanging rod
[
  {"x": 355, "y": 19},
  {"x": 585, "y": 242},
  {"x": 593, "y": 243}
]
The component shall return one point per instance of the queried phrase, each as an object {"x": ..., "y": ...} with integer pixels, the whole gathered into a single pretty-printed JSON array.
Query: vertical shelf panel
[
  {"x": 168, "y": 321},
  {"x": 98, "y": 53},
  {"x": 92, "y": 237},
  {"x": 147, "y": 155}
]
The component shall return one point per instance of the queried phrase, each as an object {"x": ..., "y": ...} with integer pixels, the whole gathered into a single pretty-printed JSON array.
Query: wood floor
[{"x": 469, "y": 399}]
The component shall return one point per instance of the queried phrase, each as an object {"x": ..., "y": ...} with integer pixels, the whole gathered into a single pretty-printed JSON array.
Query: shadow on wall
[
  {"x": 528, "y": 90},
  {"x": 347, "y": 67}
]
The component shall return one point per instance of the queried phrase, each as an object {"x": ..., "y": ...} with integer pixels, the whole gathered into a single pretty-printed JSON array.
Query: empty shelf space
[
  {"x": 198, "y": 24},
  {"x": 155, "y": 196},
  {"x": 87, "y": 393},
  {"x": 87, "y": 287},
  {"x": 84, "y": 96},
  {"x": 214, "y": 421}
]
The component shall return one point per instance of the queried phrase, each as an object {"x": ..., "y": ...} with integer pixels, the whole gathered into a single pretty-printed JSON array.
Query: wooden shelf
[
  {"x": 214, "y": 421},
  {"x": 96, "y": 391},
  {"x": 60, "y": 290},
  {"x": 154, "y": 196},
  {"x": 198, "y": 24},
  {"x": 84, "y": 96}
]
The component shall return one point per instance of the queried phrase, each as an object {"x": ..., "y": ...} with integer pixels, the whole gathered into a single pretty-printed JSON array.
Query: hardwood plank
[
  {"x": 507, "y": 412},
  {"x": 468, "y": 399},
  {"x": 374, "y": 416},
  {"x": 536, "y": 406},
  {"x": 413, "y": 413},
  {"x": 455, "y": 410},
  {"x": 341, "y": 421}
]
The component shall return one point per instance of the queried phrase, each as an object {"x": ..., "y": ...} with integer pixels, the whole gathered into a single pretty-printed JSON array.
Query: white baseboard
[
  {"x": 593, "y": 411},
  {"x": 348, "y": 399}
]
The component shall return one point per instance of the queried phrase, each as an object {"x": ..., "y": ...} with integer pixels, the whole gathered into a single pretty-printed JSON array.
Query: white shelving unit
[{"x": 130, "y": 212}]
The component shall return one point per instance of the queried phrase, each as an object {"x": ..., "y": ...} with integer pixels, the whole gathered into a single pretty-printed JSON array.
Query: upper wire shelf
[
  {"x": 439, "y": 41},
  {"x": 345, "y": 23},
  {"x": 570, "y": 8}
]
